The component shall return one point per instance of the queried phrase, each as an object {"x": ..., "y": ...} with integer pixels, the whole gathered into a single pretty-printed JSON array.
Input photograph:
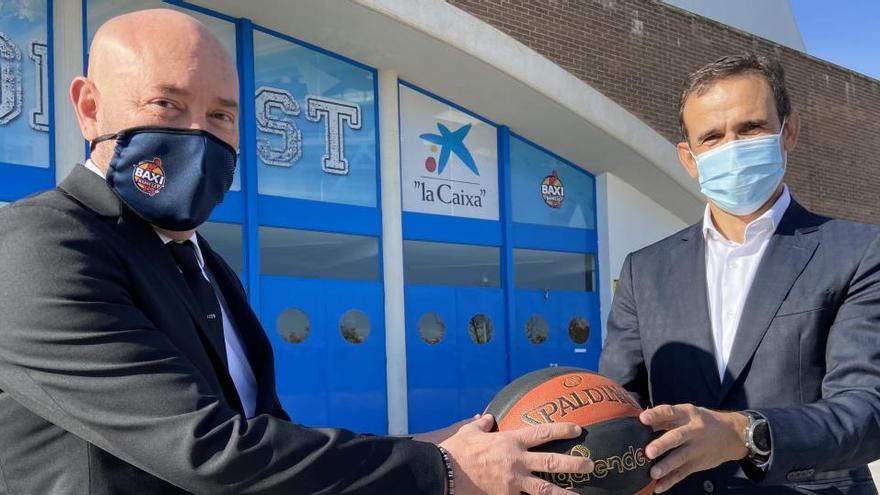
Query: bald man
[{"x": 130, "y": 362}]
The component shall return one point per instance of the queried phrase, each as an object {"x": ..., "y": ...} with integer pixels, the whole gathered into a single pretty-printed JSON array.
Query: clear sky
[{"x": 845, "y": 32}]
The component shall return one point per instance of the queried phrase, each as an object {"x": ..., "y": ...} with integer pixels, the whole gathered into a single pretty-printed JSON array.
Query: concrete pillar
[
  {"x": 68, "y": 63},
  {"x": 606, "y": 274},
  {"x": 392, "y": 253}
]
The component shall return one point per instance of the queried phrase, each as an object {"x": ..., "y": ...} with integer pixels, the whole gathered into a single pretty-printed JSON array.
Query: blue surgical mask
[
  {"x": 172, "y": 178},
  {"x": 742, "y": 175}
]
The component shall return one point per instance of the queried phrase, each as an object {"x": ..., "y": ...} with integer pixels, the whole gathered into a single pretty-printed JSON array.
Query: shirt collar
[
  {"x": 193, "y": 239},
  {"x": 764, "y": 224},
  {"x": 89, "y": 164}
]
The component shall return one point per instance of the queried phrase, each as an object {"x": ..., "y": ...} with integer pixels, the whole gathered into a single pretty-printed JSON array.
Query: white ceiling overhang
[{"x": 449, "y": 52}]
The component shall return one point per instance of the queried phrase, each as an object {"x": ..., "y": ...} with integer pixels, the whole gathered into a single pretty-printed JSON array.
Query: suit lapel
[
  {"x": 788, "y": 252},
  {"x": 88, "y": 189},
  {"x": 689, "y": 279},
  {"x": 152, "y": 249}
]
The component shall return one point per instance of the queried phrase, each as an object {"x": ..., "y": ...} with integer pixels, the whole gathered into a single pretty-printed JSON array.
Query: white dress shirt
[
  {"x": 730, "y": 271},
  {"x": 239, "y": 367}
]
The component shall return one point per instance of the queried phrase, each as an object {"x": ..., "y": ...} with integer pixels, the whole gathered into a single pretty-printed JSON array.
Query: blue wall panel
[
  {"x": 557, "y": 308},
  {"x": 455, "y": 378},
  {"x": 326, "y": 380}
]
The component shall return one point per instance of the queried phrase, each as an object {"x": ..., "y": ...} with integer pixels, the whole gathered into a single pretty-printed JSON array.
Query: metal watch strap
[{"x": 757, "y": 456}]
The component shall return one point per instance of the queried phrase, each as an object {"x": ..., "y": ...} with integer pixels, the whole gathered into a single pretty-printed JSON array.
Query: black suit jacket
[
  {"x": 108, "y": 385},
  {"x": 806, "y": 353}
]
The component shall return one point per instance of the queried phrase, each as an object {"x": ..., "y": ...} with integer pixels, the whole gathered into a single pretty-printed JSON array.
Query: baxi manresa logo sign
[
  {"x": 552, "y": 190},
  {"x": 449, "y": 162}
]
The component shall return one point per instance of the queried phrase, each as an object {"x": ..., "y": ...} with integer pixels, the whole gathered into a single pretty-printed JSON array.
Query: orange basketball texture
[{"x": 612, "y": 434}]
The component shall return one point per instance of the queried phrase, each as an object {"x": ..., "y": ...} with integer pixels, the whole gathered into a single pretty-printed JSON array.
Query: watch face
[{"x": 761, "y": 436}]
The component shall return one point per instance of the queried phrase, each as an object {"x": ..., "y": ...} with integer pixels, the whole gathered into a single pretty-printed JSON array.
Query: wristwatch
[{"x": 757, "y": 435}]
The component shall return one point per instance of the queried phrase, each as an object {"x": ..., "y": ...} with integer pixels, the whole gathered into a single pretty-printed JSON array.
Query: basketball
[{"x": 613, "y": 437}]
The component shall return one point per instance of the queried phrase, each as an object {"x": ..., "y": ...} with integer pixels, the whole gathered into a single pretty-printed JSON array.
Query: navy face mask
[{"x": 172, "y": 178}]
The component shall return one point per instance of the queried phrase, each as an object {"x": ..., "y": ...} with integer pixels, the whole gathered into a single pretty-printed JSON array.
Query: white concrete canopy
[{"x": 455, "y": 55}]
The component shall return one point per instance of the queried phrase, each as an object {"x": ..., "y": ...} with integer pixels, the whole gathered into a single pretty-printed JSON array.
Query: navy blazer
[{"x": 806, "y": 354}]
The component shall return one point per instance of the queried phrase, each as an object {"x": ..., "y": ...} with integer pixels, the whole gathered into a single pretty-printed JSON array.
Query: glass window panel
[
  {"x": 481, "y": 329},
  {"x": 354, "y": 326},
  {"x": 579, "y": 330},
  {"x": 537, "y": 329},
  {"x": 432, "y": 328},
  {"x": 226, "y": 240},
  {"x": 100, "y": 11},
  {"x": 448, "y": 159},
  {"x": 553, "y": 270},
  {"x": 316, "y": 124},
  {"x": 549, "y": 191},
  {"x": 309, "y": 254},
  {"x": 460, "y": 265},
  {"x": 25, "y": 80},
  {"x": 293, "y": 325}
]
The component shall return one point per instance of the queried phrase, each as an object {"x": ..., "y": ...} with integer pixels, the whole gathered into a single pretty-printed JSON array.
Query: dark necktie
[{"x": 206, "y": 301}]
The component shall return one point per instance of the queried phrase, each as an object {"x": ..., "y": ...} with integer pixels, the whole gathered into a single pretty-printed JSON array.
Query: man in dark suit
[
  {"x": 756, "y": 332},
  {"x": 130, "y": 361}
]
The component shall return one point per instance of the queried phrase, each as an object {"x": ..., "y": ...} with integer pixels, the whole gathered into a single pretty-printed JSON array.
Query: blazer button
[{"x": 708, "y": 487}]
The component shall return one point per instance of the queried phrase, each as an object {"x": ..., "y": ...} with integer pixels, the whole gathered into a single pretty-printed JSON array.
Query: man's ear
[
  {"x": 84, "y": 97},
  {"x": 687, "y": 159},
  {"x": 792, "y": 131}
]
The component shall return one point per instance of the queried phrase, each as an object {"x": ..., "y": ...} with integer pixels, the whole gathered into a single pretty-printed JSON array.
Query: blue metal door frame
[{"x": 557, "y": 307}]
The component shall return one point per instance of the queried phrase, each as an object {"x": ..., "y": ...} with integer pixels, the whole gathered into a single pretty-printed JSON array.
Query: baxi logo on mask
[{"x": 149, "y": 177}]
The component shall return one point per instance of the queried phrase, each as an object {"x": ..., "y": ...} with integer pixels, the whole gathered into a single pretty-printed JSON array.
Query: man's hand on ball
[
  {"x": 695, "y": 438},
  {"x": 500, "y": 463},
  {"x": 438, "y": 436}
]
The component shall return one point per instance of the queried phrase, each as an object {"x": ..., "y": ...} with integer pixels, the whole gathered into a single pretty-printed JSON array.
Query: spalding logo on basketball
[
  {"x": 149, "y": 177},
  {"x": 613, "y": 437}
]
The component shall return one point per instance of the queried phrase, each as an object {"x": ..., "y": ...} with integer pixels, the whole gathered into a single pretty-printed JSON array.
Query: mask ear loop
[
  {"x": 692, "y": 152},
  {"x": 782, "y": 145},
  {"x": 101, "y": 138}
]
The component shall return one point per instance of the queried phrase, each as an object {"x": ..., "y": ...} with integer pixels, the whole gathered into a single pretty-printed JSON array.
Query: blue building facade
[{"x": 499, "y": 235}]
